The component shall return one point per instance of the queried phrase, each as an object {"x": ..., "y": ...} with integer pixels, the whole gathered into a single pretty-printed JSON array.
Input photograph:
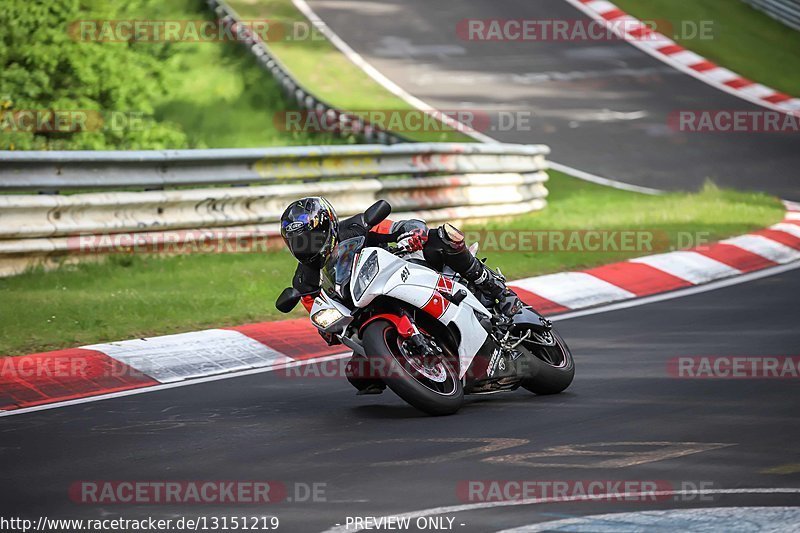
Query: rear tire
[
  {"x": 380, "y": 345},
  {"x": 546, "y": 378}
]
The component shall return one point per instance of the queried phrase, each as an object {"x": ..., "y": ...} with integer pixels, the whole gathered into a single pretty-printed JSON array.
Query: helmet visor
[{"x": 306, "y": 246}]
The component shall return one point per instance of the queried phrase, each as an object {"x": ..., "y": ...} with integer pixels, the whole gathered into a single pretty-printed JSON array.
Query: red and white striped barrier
[
  {"x": 661, "y": 47},
  {"x": 114, "y": 368}
]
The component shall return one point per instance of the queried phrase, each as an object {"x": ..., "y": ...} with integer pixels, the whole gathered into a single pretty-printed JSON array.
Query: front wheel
[
  {"x": 552, "y": 367},
  {"x": 431, "y": 386}
]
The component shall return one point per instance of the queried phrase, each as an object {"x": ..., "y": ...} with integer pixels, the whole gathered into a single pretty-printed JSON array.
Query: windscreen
[{"x": 336, "y": 273}]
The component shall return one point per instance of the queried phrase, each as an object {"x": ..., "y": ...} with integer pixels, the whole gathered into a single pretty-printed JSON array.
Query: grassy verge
[
  {"x": 135, "y": 296},
  {"x": 744, "y": 39},
  {"x": 220, "y": 95}
]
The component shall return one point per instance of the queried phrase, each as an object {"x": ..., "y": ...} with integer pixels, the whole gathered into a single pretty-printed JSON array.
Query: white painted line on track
[
  {"x": 576, "y": 498},
  {"x": 593, "y": 178}
]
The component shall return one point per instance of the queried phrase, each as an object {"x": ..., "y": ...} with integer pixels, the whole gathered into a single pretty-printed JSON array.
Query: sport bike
[{"x": 425, "y": 333}]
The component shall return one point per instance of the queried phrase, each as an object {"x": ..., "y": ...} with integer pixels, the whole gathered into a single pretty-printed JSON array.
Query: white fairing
[
  {"x": 420, "y": 286},
  {"x": 322, "y": 302}
]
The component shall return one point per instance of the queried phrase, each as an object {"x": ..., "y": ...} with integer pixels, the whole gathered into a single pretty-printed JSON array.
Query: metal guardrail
[
  {"x": 435, "y": 182},
  {"x": 785, "y": 11},
  {"x": 56, "y": 171}
]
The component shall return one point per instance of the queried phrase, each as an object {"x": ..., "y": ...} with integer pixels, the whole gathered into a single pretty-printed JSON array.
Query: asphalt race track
[
  {"x": 602, "y": 106},
  {"x": 315, "y": 430}
]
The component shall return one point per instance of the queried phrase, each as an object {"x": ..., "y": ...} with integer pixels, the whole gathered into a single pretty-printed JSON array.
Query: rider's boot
[
  {"x": 493, "y": 288},
  {"x": 446, "y": 246},
  {"x": 362, "y": 376}
]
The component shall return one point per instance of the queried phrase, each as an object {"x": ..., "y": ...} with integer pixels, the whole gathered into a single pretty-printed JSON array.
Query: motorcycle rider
[{"x": 311, "y": 230}]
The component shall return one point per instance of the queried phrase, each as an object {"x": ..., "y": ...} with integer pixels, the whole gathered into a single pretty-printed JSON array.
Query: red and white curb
[
  {"x": 665, "y": 49},
  {"x": 116, "y": 368}
]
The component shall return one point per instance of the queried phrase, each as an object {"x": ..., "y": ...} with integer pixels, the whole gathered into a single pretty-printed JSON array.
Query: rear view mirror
[
  {"x": 377, "y": 213},
  {"x": 287, "y": 300}
]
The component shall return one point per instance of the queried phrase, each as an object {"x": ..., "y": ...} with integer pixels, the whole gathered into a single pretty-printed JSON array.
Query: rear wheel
[
  {"x": 551, "y": 365},
  {"x": 430, "y": 384}
]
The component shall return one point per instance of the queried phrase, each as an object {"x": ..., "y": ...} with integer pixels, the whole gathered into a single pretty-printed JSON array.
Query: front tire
[
  {"x": 382, "y": 345},
  {"x": 552, "y": 368}
]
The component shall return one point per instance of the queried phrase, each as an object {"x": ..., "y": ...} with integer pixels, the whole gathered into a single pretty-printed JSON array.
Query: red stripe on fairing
[
  {"x": 638, "y": 278},
  {"x": 782, "y": 237},
  {"x": 444, "y": 285},
  {"x": 61, "y": 375},
  {"x": 735, "y": 257},
  {"x": 308, "y": 301},
  {"x": 436, "y": 305},
  {"x": 297, "y": 338},
  {"x": 543, "y": 305}
]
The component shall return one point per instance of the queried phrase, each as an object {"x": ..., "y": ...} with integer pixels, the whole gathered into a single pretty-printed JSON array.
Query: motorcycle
[{"x": 431, "y": 339}]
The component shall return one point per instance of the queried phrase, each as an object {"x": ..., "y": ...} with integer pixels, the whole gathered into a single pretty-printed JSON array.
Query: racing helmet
[{"x": 310, "y": 228}]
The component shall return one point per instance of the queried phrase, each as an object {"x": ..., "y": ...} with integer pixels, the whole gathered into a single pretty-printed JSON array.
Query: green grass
[
  {"x": 223, "y": 99},
  {"x": 136, "y": 296},
  {"x": 745, "y": 40},
  {"x": 220, "y": 96}
]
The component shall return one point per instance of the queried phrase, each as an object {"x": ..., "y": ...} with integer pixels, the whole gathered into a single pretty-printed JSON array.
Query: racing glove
[{"x": 413, "y": 241}]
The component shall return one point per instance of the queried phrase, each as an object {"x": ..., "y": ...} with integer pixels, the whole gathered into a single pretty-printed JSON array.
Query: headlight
[
  {"x": 326, "y": 317},
  {"x": 365, "y": 276}
]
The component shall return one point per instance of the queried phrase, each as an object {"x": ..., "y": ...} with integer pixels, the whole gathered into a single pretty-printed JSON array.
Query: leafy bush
[
  {"x": 45, "y": 67},
  {"x": 130, "y": 94}
]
